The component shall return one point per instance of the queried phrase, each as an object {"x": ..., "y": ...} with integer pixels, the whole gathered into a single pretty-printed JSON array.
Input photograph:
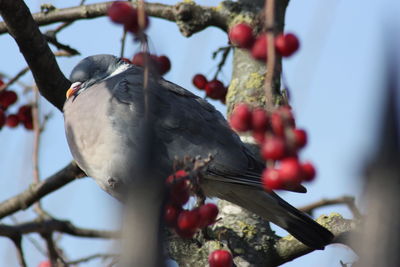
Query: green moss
[
  {"x": 249, "y": 231},
  {"x": 254, "y": 80},
  {"x": 232, "y": 90},
  {"x": 239, "y": 251},
  {"x": 237, "y": 18}
]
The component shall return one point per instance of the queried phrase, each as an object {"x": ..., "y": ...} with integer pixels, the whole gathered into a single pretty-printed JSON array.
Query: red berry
[
  {"x": 25, "y": 113},
  {"x": 286, "y": 44},
  {"x": 290, "y": 170},
  {"x": 2, "y": 118},
  {"x": 208, "y": 214},
  {"x": 220, "y": 258},
  {"x": 300, "y": 137},
  {"x": 44, "y": 264},
  {"x": 200, "y": 81},
  {"x": 7, "y": 98},
  {"x": 188, "y": 220},
  {"x": 287, "y": 115},
  {"x": 241, "y": 35},
  {"x": 163, "y": 64},
  {"x": 308, "y": 171},
  {"x": 171, "y": 213},
  {"x": 215, "y": 89},
  {"x": 259, "y": 136},
  {"x": 139, "y": 59},
  {"x": 273, "y": 148},
  {"x": 240, "y": 119},
  {"x": 271, "y": 179},
  {"x": 12, "y": 120},
  {"x": 277, "y": 124},
  {"x": 28, "y": 125},
  {"x": 185, "y": 233},
  {"x": 179, "y": 193},
  {"x": 121, "y": 12},
  {"x": 259, "y": 120},
  {"x": 177, "y": 176},
  {"x": 1, "y": 82},
  {"x": 259, "y": 49},
  {"x": 132, "y": 25}
]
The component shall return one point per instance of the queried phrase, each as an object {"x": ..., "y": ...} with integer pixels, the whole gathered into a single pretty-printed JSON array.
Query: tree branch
[
  {"x": 33, "y": 45},
  {"x": 102, "y": 256},
  {"x": 20, "y": 253},
  {"x": 249, "y": 239},
  {"x": 48, "y": 226},
  {"x": 289, "y": 248},
  {"x": 347, "y": 200},
  {"x": 14, "y": 79},
  {"x": 39, "y": 190},
  {"x": 196, "y": 17}
]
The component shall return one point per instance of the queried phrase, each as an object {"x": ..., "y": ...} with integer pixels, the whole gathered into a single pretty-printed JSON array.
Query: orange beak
[{"x": 73, "y": 89}]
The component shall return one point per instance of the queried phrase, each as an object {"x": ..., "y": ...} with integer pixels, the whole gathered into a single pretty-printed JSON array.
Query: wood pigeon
[{"x": 105, "y": 109}]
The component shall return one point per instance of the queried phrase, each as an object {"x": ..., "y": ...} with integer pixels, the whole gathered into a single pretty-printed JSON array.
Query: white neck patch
[{"x": 120, "y": 69}]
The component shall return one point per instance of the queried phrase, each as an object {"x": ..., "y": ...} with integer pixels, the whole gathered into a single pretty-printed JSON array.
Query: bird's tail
[
  {"x": 304, "y": 228},
  {"x": 276, "y": 210}
]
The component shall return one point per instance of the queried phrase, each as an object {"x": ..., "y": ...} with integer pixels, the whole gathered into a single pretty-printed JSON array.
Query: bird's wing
[
  {"x": 187, "y": 125},
  {"x": 221, "y": 171}
]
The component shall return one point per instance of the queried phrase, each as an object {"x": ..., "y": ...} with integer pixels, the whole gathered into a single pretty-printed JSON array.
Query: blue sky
[{"x": 334, "y": 85}]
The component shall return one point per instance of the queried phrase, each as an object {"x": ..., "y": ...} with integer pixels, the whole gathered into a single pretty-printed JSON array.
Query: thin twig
[
  {"x": 36, "y": 145},
  {"x": 269, "y": 76},
  {"x": 14, "y": 79},
  {"x": 36, "y": 138},
  {"x": 46, "y": 226},
  {"x": 123, "y": 39},
  {"x": 66, "y": 24},
  {"x": 347, "y": 200},
  {"x": 102, "y": 256},
  {"x": 52, "y": 249},
  {"x": 20, "y": 252},
  {"x": 225, "y": 52},
  {"x": 51, "y": 38},
  {"x": 31, "y": 239}
]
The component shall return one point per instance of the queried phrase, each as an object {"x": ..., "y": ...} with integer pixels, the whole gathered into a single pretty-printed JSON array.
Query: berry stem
[{"x": 270, "y": 63}]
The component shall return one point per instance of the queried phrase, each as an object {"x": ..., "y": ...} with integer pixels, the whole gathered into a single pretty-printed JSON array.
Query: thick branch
[
  {"x": 249, "y": 239},
  {"x": 196, "y": 17},
  {"x": 289, "y": 248},
  {"x": 39, "y": 190},
  {"x": 33, "y": 45},
  {"x": 49, "y": 226}
]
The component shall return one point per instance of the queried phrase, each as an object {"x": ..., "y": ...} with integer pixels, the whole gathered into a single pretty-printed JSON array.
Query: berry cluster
[
  {"x": 280, "y": 141},
  {"x": 161, "y": 63},
  {"x": 220, "y": 258},
  {"x": 186, "y": 222},
  {"x": 123, "y": 13},
  {"x": 214, "y": 89},
  {"x": 242, "y": 36},
  {"x": 23, "y": 116}
]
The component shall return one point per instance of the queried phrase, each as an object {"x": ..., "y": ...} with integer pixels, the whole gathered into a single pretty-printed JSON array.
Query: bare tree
[{"x": 254, "y": 82}]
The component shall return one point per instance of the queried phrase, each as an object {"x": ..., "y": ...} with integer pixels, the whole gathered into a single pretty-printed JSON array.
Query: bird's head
[{"x": 92, "y": 70}]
